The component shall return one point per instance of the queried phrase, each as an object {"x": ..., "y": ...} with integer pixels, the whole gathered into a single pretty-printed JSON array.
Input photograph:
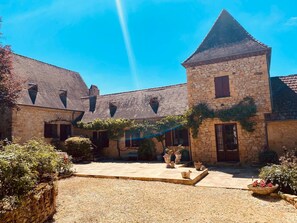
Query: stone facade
[
  {"x": 282, "y": 133},
  {"x": 36, "y": 207},
  {"x": 28, "y": 121},
  {"x": 247, "y": 77}
]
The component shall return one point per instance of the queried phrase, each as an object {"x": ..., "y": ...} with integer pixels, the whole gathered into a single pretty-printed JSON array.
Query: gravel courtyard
[{"x": 110, "y": 200}]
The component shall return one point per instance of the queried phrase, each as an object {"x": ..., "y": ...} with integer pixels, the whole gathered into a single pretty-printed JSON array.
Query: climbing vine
[
  {"x": 193, "y": 118},
  {"x": 241, "y": 112}
]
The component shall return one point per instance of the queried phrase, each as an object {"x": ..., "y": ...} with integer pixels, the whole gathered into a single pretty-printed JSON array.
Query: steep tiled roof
[
  {"x": 284, "y": 97},
  {"x": 50, "y": 81},
  {"x": 172, "y": 100},
  {"x": 226, "y": 40}
]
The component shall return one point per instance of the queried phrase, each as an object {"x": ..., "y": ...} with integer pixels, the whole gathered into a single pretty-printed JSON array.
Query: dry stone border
[{"x": 36, "y": 207}]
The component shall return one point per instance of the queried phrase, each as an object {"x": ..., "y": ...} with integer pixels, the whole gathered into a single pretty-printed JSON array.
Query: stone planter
[
  {"x": 262, "y": 190},
  {"x": 36, "y": 207}
]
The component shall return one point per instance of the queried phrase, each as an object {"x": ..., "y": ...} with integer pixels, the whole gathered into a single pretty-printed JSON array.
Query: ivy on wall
[
  {"x": 241, "y": 112},
  {"x": 193, "y": 118}
]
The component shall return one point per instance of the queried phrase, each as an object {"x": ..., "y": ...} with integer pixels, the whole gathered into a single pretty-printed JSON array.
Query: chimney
[{"x": 94, "y": 91}]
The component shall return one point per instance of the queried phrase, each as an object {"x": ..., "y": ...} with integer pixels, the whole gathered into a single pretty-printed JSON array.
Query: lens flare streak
[{"x": 127, "y": 41}]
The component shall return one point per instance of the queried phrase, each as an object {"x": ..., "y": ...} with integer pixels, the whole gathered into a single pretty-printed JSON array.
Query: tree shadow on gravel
[{"x": 267, "y": 198}]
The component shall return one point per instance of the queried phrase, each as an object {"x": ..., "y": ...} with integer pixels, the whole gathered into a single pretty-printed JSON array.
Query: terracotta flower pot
[
  {"x": 186, "y": 174},
  {"x": 262, "y": 190}
]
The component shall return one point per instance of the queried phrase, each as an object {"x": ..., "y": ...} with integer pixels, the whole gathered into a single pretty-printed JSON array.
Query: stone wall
[
  {"x": 36, "y": 207},
  {"x": 28, "y": 121},
  {"x": 247, "y": 77},
  {"x": 282, "y": 133},
  {"x": 5, "y": 124}
]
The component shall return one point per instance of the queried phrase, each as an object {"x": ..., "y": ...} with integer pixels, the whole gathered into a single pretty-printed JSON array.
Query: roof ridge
[
  {"x": 45, "y": 63},
  {"x": 289, "y": 75},
  {"x": 146, "y": 89},
  {"x": 250, "y": 35}
]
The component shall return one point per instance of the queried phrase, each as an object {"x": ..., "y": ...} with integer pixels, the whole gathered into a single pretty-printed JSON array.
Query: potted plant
[
  {"x": 167, "y": 157},
  {"x": 198, "y": 165},
  {"x": 178, "y": 156},
  {"x": 262, "y": 187}
]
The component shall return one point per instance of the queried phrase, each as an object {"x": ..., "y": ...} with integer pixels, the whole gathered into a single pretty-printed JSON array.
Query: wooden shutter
[
  {"x": 47, "y": 130},
  {"x": 136, "y": 139},
  {"x": 105, "y": 140},
  {"x": 185, "y": 137},
  {"x": 168, "y": 139},
  {"x": 226, "y": 87},
  {"x": 222, "y": 88},
  {"x": 127, "y": 139}
]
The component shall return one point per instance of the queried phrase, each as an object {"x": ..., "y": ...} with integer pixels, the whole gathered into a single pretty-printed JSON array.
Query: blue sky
[{"x": 139, "y": 43}]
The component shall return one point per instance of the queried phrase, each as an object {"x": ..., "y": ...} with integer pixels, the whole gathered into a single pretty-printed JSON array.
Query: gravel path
[{"x": 109, "y": 200}]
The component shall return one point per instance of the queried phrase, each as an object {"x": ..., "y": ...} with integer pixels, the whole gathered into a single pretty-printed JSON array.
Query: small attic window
[
  {"x": 33, "y": 90},
  {"x": 154, "y": 103},
  {"x": 92, "y": 103},
  {"x": 112, "y": 109},
  {"x": 63, "y": 97}
]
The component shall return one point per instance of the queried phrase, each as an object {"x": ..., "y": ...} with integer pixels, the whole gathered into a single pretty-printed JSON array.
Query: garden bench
[{"x": 133, "y": 155}]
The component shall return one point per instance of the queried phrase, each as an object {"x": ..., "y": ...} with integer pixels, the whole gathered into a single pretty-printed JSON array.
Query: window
[
  {"x": 63, "y": 97},
  {"x": 132, "y": 139},
  {"x": 33, "y": 90},
  {"x": 177, "y": 137},
  {"x": 222, "y": 87},
  {"x": 50, "y": 130},
  {"x": 101, "y": 139},
  {"x": 65, "y": 131},
  {"x": 154, "y": 103},
  {"x": 112, "y": 109}
]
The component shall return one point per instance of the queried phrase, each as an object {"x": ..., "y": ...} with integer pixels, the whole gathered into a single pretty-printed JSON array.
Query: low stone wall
[{"x": 36, "y": 207}]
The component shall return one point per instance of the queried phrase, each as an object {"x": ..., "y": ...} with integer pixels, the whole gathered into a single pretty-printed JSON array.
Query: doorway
[{"x": 227, "y": 143}]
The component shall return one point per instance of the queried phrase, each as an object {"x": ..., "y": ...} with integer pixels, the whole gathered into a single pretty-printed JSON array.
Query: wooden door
[{"x": 227, "y": 143}]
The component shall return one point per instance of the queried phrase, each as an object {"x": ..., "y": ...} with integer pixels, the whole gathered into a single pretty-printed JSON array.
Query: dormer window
[
  {"x": 63, "y": 97},
  {"x": 154, "y": 103},
  {"x": 92, "y": 103},
  {"x": 112, "y": 109},
  {"x": 33, "y": 90}
]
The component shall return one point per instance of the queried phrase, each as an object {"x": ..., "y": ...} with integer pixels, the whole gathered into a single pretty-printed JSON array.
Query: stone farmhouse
[{"x": 228, "y": 65}]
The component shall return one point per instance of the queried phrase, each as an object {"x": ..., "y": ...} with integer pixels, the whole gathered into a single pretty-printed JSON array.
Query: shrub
[
  {"x": 268, "y": 156},
  {"x": 146, "y": 150},
  {"x": 65, "y": 164},
  {"x": 285, "y": 174},
  {"x": 282, "y": 175},
  {"x": 22, "y": 167},
  {"x": 185, "y": 155},
  {"x": 16, "y": 175},
  {"x": 79, "y": 148}
]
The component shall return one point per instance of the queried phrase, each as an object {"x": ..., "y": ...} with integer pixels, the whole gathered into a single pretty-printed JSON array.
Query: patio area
[
  {"x": 138, "y": 171},
  {"x": 224, "y": 177}
]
